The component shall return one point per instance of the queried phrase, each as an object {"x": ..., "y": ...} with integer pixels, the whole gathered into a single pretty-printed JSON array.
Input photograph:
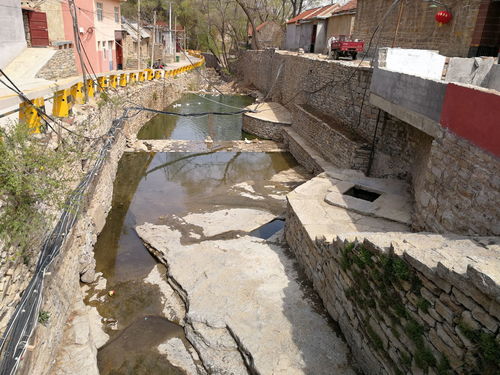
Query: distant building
[
  {"x": 269, "y": 34},
  {"x": 49, "y": 23},
  {"x": 311, "y": 29},
  {"x": 474, "y": 29},
  {"x": 341, "y": 21},
  {"x": 130, "y": 45}
]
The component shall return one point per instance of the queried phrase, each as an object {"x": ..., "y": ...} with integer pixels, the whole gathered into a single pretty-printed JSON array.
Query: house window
[
  {"x": 117, "y": 14},
  {"x": 135, "y": 47},
  {"x": 99, "y": 11}
]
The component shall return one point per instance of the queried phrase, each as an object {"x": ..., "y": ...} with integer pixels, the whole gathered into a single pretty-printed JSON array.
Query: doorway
[{"x": 313, "y": 38}]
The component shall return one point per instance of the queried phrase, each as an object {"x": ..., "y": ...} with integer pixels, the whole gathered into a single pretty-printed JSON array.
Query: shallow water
[
  {"x": 148, "y": 188},
  {"x": 198, "y": 128}
]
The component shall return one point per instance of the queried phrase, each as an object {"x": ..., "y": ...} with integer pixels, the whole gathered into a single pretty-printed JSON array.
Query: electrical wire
[
  {"x": 335, "y": 84},
  {"x": 199, "y": 114},
  {"x": 40, "y": 111},
  {"x": 13, "y": 343}
]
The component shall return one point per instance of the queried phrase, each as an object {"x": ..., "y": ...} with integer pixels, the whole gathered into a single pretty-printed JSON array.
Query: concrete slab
[
  {"x": 493, "y": 78},
  {"x": 27, "y": 64},
  {"x": 391, "y": 205},
  {"x": 270, "y": 112},
  {"x": 460, "y": 69},
  {"x": 321, "y": 219},
  {"x": 173, "y": 145}
]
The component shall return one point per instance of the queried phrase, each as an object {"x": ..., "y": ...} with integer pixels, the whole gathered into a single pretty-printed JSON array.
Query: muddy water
[{"x": 149, "y": 187}]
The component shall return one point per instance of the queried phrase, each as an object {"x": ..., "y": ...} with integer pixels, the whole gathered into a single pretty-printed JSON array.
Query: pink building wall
[{"x": 93, "y": 31}]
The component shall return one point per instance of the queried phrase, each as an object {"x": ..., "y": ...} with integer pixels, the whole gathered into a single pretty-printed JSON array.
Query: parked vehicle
[{"x": 338, "y": 48}]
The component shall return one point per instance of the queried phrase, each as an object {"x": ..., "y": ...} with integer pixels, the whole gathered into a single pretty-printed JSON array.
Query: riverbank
[{"x": 66, "y": 339}]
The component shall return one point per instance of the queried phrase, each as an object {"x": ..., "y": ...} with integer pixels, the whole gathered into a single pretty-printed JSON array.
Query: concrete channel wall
[
  {"x": 62, "y": 291},
  {"x": 453, "y": 182}
]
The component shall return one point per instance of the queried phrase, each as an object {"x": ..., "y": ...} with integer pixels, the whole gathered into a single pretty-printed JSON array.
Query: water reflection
[
  {"x": 198, "y": 128},
  {"x": 149, "y": 186}
]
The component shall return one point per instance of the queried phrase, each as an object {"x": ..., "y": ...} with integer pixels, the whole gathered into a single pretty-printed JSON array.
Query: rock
[
  {"x": 101, "y": 282},
  {"x": 245, "y": 301},
  {"x": 222, "y": 221},
  {"x": 173, "y": 306},
  {"x": 99, "y": 337},
  {"x": 178, "y": 355},
  {"x": 80, "y": 329},
  {"x": 88, "y": 276}
]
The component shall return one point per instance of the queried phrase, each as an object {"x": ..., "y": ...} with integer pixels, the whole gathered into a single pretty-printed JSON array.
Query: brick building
[{"x": 473, "y": 31}]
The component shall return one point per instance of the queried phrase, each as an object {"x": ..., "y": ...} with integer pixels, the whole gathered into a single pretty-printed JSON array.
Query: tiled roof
[
  {"x": 351, "y": 5},
  {"x": 324, "y": 12},
  {"x": 303, "y": 15}
]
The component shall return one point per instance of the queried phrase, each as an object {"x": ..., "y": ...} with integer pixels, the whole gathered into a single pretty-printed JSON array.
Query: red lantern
[{"x": 443, "y": 17}]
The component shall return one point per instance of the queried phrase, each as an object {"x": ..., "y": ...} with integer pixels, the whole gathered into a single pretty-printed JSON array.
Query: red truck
[{"x": 340, "y": 48}]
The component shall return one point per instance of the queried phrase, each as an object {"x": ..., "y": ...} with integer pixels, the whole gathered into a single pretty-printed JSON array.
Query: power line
[{"x": 395, "y": 2}]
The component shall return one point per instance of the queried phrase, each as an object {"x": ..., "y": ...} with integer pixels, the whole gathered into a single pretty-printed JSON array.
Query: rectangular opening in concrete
[{"x": 360, "y": 193}]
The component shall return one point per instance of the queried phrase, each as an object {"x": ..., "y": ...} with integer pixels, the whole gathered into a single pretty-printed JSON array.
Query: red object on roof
[{"x": 260, "y": 27}]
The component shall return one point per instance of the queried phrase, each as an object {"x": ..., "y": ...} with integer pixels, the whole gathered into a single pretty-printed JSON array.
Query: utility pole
[
  {"x": 139, "y": 34},
  {"x": 175, "y": 37},
  {"x": 154, "y": 37},
  {"x": 170, "y": 27},
  {"x": 76, "y": 34}
]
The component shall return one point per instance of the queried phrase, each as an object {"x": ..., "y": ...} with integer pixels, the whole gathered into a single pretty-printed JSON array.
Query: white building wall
[
  {"x": 290, "y": 39},
  {"x": 12, "y": 39},
  {"x": 320, "y": 45}
]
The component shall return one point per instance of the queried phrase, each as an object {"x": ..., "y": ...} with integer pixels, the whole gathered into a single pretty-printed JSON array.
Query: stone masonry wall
[
  {"x": 408, "y": 303},
  {"x": 340, "y": 147},
  {"x": 459, "y": 189},
  {"x": 418, "y": 28},
  {"x": 62, "y": 286},
  {"x": 334, "y": 89},
  {"x": 61, "y": 65},
  {"x": 454, "y": 183},
  {"x": 263, "y": 129}
]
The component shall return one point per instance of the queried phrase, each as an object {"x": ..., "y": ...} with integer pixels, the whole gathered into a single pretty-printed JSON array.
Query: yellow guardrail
[{"x": 70, "y": 91}]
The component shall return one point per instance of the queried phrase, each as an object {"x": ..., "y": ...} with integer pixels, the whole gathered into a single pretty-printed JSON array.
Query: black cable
[
  {"x": 40, "y": 111},
  {"x": 372, "y": 149},
  {"x": 356, "y": 68},
  {"x": 200, "y": 114},
  {"x": 15, "y": 338}
]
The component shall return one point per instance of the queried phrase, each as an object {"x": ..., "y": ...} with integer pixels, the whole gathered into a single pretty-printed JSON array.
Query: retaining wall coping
[{"x": 460, "y": 260}]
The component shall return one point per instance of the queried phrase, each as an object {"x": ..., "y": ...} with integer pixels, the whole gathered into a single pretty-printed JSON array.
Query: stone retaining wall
[
  {"x": 304, "y": 154},
  {"x": 62, "y": 287},
  {"x": 263, "y": 129},
  {"x": 408, "y": 303},
  {"x": 340, "y": 147},
  {"x": 454, "y": 183},
  {"x": 335, "y": 89},
  {"x": 61, "y": 65}
]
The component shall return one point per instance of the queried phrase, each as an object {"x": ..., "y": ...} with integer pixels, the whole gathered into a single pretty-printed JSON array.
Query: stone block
[
  {"x": 444, "y": 349},
  {"x": 445, "y": 312},
  {"x": 485, "y": 319},
  {"x": 453, "y": 342},
  {"x": 492, "y": 80},
  {"x": 460, "y": 70},
  {"x": 469, "y": 321}
]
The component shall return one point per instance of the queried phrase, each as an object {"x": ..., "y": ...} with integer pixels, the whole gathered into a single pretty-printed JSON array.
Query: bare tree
[{"x": 255, "y": 39}]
